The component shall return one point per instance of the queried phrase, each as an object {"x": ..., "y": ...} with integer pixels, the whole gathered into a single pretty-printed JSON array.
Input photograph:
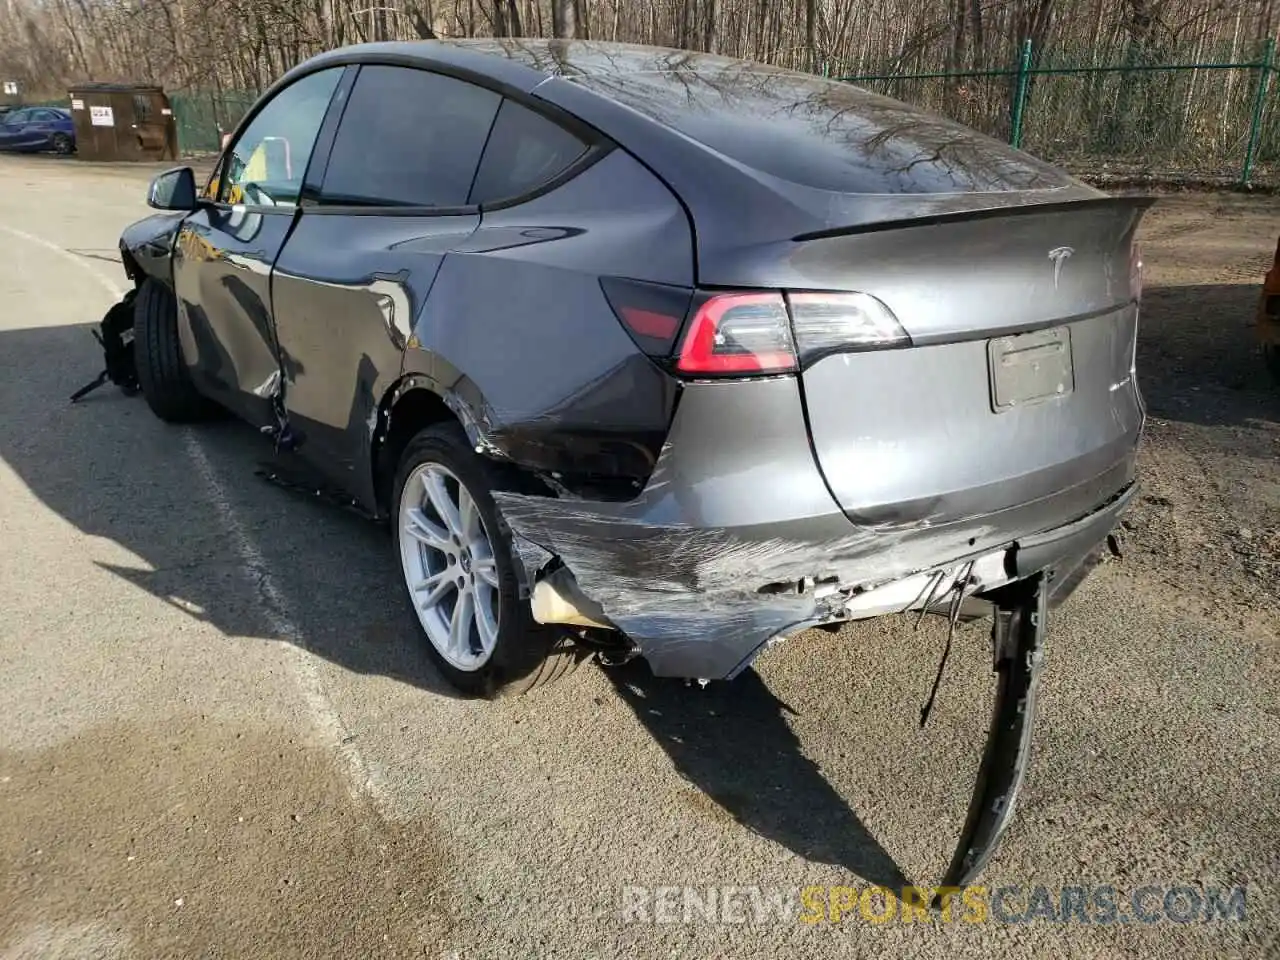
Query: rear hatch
[
  {"x": 1014, "y": 380},
  {"x": 964, "y": 313}
]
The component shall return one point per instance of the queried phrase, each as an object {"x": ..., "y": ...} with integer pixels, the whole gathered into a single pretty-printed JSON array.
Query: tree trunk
[
  {"x": 564, "y": 19},
  {"x": 811, "y": 34},
  {"x": 979, "y": 59}
]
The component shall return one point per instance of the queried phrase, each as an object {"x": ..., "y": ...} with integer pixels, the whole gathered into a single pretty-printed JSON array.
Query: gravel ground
[{"x": 222, "y": 741}]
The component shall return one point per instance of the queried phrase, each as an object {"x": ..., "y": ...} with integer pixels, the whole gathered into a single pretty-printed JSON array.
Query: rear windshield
[{"x": 820, "y": 133}]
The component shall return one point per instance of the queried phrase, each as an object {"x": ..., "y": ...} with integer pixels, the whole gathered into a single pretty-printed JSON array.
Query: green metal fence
[
  {"x": 1194, "y": 120},
  {"x": 204, "y": 115}
]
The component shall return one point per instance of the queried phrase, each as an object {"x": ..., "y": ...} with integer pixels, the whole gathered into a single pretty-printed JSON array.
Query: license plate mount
[{"x": 1027, "y": 368}]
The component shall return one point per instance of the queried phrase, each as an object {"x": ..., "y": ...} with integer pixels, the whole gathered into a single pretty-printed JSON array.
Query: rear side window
[
  {"x": 409, "y": 138},
  {"x": 525, "y": 150}
]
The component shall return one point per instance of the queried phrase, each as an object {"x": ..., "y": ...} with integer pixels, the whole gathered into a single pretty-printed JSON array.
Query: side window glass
[
  {"x": 210, "y": 191},
  {"x": 525, "y": 151},
  {"x": 266, "y": 165},
  {"x": 408, "y": 138}
]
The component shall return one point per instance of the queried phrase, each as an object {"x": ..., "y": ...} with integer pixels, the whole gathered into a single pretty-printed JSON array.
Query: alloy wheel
[{"x": 449, "y": 567}]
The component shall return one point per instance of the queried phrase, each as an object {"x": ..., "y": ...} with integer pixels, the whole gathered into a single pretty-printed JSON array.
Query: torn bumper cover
[
  {"x": 701, "y": 602},
  {"x": 684, "y": 595},
  {"x": 1017, "y": 637}
]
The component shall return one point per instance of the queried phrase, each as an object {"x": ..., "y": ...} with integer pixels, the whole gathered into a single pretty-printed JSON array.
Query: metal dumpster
[{"x": 123, "y": 121}]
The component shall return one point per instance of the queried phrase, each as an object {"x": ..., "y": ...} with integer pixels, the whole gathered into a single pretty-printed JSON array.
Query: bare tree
[{"x": 564, "y": 19}]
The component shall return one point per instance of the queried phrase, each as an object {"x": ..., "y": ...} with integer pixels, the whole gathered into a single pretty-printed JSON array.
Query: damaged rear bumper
[
  {"x": 702, "y": 602},
  {"x": 736, "y": 539}
]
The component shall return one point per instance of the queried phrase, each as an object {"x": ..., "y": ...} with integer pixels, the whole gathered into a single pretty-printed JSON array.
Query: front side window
[
  {"x": 408, "y": 138},
  {"x": 266, "y": 165}
]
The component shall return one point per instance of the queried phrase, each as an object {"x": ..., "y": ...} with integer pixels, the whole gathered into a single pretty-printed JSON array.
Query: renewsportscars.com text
[{"x": 1099, "y": 904}]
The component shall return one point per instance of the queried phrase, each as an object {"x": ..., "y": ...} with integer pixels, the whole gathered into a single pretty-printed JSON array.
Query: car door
[
  {"x": 44, "y": 124},
  {"x": 356, "y": 271},
  {"x": 225, "y": 250},
  {"x": 13, "y": 129}
]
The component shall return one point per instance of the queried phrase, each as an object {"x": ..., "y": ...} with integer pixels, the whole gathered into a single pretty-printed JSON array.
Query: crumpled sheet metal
[{"x": 690, "y": 597}]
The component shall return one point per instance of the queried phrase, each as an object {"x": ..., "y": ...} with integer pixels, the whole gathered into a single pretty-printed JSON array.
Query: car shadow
[
  {"x": 324, "y": 579},
  {"x": 109, "y": 468},
  {"x": 1198, "y": 356},
  {"x": 732, "y": 742}
]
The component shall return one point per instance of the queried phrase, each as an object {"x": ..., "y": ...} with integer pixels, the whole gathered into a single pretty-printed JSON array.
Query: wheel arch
[
  {"x": 417, "y": 401},
  {"x": 410, "y": 405},
  {"x": 146, "y": 248}
]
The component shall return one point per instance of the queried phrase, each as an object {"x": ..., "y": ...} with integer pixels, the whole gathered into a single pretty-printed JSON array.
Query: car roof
[
  {"x": 800, "y": 127},
  {"x": 756, "y": 153},
  {"x": 531, "y": 58}
]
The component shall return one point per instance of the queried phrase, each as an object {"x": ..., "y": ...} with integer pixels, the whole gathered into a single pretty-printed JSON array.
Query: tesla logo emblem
[{"x": 1059, "y": 255}]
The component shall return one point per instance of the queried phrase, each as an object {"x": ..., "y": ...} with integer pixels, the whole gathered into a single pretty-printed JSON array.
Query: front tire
[
  {"x": 162, "y": 373},
  {"x": 455, "y": 555}
]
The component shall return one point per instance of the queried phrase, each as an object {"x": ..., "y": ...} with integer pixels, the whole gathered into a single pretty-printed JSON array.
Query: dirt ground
[{"x": 221, "y": 741}]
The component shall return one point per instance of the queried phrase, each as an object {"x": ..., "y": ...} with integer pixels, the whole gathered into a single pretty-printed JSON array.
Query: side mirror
[{"x": 173, "y": 190}]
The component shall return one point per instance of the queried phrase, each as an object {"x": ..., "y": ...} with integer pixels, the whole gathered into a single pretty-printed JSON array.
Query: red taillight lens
[
  {"x": 1135, "y": 271},
  {"x": 736, "y": 334},
  {"x": 651, "y": 312}
]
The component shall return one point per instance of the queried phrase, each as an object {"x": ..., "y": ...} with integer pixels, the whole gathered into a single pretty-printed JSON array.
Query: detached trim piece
[{"x": 1017, "y": 635}]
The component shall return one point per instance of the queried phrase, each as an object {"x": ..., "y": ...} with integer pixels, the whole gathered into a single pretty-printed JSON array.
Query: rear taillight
[
  {"x": 736, "y": 334},
  {"x": 745, "y": 333},
  {"x": 832, "y": 322},
  {"x": 652, "y": 313},
  {"x": 1135, "y": 271}
]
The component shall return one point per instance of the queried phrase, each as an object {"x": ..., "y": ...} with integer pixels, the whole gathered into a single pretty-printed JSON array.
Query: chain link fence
[
  {"x": 203, "y": 116},
  {"x": 1208, "y": 121}
]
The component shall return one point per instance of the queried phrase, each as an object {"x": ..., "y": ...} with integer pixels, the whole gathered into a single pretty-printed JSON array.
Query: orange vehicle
[{"x": 1269, "y": 318}]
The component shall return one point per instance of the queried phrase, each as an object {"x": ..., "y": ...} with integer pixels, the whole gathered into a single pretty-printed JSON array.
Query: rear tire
[
  {"x": 62, "y": 144},
  {"x": 513, "y": 653},
  {"x": 162, "y": 373}
]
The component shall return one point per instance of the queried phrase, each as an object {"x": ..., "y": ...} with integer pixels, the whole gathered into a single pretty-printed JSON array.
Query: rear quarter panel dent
[{"x": 519, "y": 339}]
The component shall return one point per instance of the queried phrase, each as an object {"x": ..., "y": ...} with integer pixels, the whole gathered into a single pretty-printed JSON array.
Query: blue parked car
[{"x": 37, "y": 129}]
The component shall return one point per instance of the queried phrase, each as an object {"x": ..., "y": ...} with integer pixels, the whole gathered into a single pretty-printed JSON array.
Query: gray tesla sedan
[{"x": 665, "y": 353}]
